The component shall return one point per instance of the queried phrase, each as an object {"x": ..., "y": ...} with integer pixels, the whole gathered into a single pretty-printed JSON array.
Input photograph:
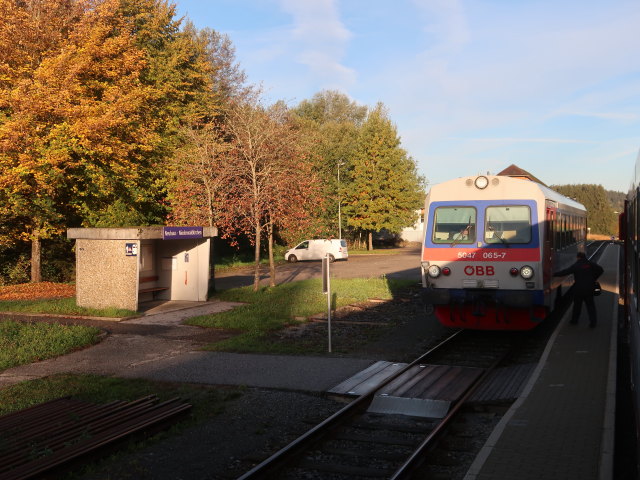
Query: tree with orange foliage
[
  {"x": 92, "y": 95},
  {"x": 198, "y": 177},
  {"x": 270, "y": 184},
  {"x": 30, "y": 34}
]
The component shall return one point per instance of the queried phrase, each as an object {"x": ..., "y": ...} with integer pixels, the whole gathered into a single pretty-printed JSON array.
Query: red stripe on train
[{"x": 481, "y": 254}]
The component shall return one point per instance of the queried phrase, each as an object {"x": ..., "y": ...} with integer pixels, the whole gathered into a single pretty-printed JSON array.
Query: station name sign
[{"x": 181, "y": 233}]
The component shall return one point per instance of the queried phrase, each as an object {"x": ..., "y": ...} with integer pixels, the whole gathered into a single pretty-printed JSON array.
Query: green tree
[
  {"x": 385, "y": 190},
  {"x": 600, "y": 215},
  {"x": 331, "y": 122}
]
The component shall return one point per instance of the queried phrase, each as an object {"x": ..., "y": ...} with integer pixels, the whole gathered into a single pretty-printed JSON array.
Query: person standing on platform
[{"x": 585, "y": 273}]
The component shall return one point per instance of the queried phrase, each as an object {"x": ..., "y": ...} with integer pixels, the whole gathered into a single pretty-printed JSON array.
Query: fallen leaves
[{"x": 37, "y": 291}]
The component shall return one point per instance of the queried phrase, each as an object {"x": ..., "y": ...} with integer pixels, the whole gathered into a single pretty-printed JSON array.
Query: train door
[{"x": 549, "y": 245}]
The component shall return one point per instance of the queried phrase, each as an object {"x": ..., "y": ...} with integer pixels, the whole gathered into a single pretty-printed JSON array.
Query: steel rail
[
  {"x": 597, "y": 251},
  {"x": 279, "y": 459},
  {"x": 417, "y": 457}
]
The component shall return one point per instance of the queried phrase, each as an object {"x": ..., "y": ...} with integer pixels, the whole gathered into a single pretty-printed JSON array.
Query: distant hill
[
  {"x": 616, "y": 199},
  {"x": 603, "y": 206}
]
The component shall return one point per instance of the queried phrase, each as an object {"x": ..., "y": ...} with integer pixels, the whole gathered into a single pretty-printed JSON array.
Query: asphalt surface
[{"x": 403, "y": 263}]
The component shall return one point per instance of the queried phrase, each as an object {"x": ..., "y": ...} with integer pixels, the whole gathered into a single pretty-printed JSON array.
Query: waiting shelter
[{"x": 123, "y": 267}]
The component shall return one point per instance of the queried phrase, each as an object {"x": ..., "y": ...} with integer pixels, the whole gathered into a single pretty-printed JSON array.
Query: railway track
[{"x": 363, "y": 440}]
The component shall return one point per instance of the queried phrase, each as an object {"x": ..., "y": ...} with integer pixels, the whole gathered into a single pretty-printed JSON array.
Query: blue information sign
[{"x": 181, "y": 233}]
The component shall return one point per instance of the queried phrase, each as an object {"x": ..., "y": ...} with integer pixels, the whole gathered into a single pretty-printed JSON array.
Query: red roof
[{"x": 517, "y": 172}]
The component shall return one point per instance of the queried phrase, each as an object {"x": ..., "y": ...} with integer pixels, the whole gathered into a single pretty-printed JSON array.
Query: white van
[{"x": 318, "y": 249}]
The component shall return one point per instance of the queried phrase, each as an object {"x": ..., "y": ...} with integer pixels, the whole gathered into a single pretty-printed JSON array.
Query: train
[
  {"x": 629, "y": 235},
  {"x": 491, "y": 245}
]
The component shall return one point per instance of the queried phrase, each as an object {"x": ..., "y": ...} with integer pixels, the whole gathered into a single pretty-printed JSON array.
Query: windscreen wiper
[
  {"x": 498, "y": 235},
  {"x": 467, "y": 228}
]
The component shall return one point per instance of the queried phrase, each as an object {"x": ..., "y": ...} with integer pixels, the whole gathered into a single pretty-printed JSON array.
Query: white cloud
[
  {"x": 316, "y": 21},
  {"x": 471, "y": 84},
  {"x": 320, "y": 40},
  {"x": 508, "y": 140},
  {"x": 506, "y": 71},
  {"x": 616, "y": 116},
  {"x": 447, "y": 22}
]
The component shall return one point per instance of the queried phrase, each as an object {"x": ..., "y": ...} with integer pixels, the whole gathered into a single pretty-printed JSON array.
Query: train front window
[
  {"x": 454, "y": 225},
  {"x": 508, "y": 224}
]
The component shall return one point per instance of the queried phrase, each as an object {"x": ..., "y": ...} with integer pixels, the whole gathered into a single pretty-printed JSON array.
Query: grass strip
[
  {"x": 22, "y": 343},
  {"x": 273, "y": 308}
]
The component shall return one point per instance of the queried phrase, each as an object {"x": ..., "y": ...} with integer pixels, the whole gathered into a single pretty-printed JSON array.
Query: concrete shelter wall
[{"x": 105, "y": 275}]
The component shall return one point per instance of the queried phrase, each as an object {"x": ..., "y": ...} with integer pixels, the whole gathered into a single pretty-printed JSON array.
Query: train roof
[{"x": 508, "y": 187}]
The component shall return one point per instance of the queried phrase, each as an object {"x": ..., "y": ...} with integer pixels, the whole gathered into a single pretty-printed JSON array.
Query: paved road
[{"x": 403, "y": 264}]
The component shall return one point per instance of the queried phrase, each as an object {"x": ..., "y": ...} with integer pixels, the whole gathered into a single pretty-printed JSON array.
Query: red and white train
[{"x": 491, "y": 244}]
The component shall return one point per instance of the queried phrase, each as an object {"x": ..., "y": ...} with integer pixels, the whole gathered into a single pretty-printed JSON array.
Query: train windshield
[
  {"x": 454, "y": 225},
  {"x": 508, "y": 224}
]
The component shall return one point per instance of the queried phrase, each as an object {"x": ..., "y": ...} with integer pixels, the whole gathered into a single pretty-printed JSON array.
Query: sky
[{"x": 472, "y": 86}]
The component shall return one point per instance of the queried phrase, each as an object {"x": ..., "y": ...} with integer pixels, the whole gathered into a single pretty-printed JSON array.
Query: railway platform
[{"x": 562, "y": 425}]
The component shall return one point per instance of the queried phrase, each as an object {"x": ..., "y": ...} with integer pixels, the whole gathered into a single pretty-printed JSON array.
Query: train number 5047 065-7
[{"x": 485, "y": 255}]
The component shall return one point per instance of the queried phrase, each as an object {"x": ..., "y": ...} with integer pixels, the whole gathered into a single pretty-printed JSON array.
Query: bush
[
  {"x": 58, "y": 271},
  {"x": 18, "y": 272}
]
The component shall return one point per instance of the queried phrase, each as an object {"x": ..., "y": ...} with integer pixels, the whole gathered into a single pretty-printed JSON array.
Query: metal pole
[
  {"x": 326, "y": 289},
  {"x": 339, "y": 203},
  {"x": 329, "y": 302}
]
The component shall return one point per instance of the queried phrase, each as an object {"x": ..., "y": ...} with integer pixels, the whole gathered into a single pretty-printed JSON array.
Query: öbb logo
[{"x": 479, "y": 270}]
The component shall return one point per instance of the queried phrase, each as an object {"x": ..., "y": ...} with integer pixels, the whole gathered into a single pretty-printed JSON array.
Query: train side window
[
  {"x": 572, "y": 230},
  {"x": 508, "y": 224},
  {"x": 454, "y": 225}
]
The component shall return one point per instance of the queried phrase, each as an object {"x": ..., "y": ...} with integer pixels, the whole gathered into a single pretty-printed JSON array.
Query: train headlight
[
  {"x": 514, "y": 271},
  {"x": 434, "y": 271},
  {"x": 526, "y": 272},
  {"x": 446, "y": 271},
  {"x": 481, "y": 182}
]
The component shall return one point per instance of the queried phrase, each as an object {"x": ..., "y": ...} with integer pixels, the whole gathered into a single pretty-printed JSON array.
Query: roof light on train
[
  {"x": 481, "y": 182},
  {"x": 434, "y": 271},
  {"x": 526, "y": 272}
]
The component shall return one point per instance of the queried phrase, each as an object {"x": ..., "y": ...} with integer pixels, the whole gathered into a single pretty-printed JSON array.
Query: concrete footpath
[{"x": 158, "y": 346}]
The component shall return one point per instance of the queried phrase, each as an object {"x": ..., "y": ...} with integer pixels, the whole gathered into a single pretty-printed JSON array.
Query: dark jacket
[{"x": 585, "y": 274}]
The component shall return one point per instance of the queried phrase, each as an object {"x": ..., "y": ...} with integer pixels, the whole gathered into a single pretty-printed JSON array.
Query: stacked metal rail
[{"x": 41, "y": 438}]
